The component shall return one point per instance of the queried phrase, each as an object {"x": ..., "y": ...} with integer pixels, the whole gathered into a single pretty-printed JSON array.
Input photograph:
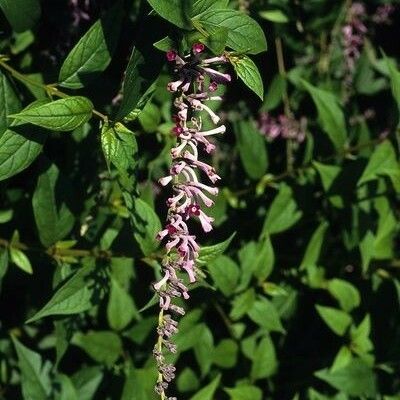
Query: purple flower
[
  {"x": 353, "y": 38},
  {"x": 283, "y": 126},
  {"x": 196, "y": 79},
  {"x": 383, "y": 14}
]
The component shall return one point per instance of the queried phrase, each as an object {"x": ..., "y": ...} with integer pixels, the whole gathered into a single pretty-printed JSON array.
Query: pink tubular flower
[{"x": 196, "y": 79}]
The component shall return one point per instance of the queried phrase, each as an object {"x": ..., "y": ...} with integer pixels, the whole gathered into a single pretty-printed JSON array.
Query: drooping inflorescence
[{"x": 197, "y": 80}]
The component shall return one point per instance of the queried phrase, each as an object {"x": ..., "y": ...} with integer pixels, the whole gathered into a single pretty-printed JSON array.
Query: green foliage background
[{"x": 301, "y": 292}]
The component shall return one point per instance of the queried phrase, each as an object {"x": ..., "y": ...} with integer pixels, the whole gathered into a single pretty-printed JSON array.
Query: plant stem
[
  {"x": 286, "y": 103},
  {"x": 51, "y": 90}
]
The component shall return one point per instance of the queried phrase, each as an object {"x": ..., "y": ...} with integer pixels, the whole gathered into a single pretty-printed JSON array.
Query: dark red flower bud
[{"x": 171, "y": 55}]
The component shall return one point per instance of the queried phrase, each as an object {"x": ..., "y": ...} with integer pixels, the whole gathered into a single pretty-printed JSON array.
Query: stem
[
  {"x": 51, "y": 90},
  {"x": 159, "y": 348},
  {"x": 286, "y": 103}
]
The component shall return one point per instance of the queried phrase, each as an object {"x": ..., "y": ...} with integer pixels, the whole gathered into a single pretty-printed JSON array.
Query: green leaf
[
  {"x": 19, "y": 258},
  {"x": 314, "y": 247},
  {"x": 387, "y": 226},
  {"x": 248, "y": 72},
  {"x": 73, "y": 297},
  {"x": 187, "y": 381},
  {"x": 9, "y": 102},
  {"x": 342, "y": 358},
  {"x": 360, "y": 342},
  {"x": 337, "y": 320},
  {"x": 242, "y": 303},
  {"x": 200, "y": 6},
  {"x": 283, "y": 212},
  {"x": 165, "y": 44},
  {"x": 19, "y": 146},
  {"x": 210, "y": 253},
  {"x": 103, "y": 346},
  {"x": 21, "y": 14},
  {"x": 142, "y": 71},
  {"x": 60, "y": 115},
  {"x": 203, "y": 348},
  {"x": 150, "y": 118},
  {"x": 225, "y": 353},
  {"x": 3, "y": 265},
  {"x": 264, "y": 362},
  {"x": 394, "y": 80},
  {"x": 345, "y": 293},
  {"x": 274, "y": 16},
  {"x": 225, "y": 274},
  {"x": 244, "y": 35},
  {"x": 330, "y": 115},
  {"x": 92, "y": 54},
  {"x": 275, "y": 93},
  {"x": 207, "y": 393},
  {"x": 252, "y": 149},
  {"x": 35, "y": 379},
  {"x": 120, "y": 308},
  {"x": 86, "y": 382},
  {"x": 367, "y": 250},
  {"x": 6, "y": 216},
  {"x": 68, "y": 391},
  {"x": 264, "y": 314},
  {"x": 265, "y": 259},
  {"x": 356, "y": 379},
  {"x": 147, "y": 226},
  {"x": 327, "y": 173},
  {"x": 175, "y": 11},
  {"x": 53, "y": 216},
  {"x": 139, "y": 385},
  {"x": 119, "y": 147},
  {"x": 383, "y": 161},
  {"x": 216, "y": 39},
  {"x": 244, "y": 392}
]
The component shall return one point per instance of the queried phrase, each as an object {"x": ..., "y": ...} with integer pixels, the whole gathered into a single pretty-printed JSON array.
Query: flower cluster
[
  {"x": 383, "y": 14},
  {"x": 354, "y": 32},
  {"x": 283, "y": 126},
  {"x": 80, "y": 11},
  {"x": 194, "y": 89}
]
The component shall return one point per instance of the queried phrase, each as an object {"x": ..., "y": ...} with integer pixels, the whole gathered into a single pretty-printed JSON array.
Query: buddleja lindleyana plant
[{"x": 197, "y": 80}]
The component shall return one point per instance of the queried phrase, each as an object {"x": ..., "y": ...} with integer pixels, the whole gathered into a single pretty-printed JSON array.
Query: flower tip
[{"x": 198, "y": 48}]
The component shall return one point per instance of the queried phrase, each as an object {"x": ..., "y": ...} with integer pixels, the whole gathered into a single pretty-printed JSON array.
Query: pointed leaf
[
  {"x": 210, "y": 253},
  {"x": 60, "y": 115},
  {"x": 207, "y": 393},
  {"x": 248, "y": 72},
  {"x": 337, "y": 320},
  {"x": 9, "y": 102},
  {"x": 330, "y": 115},
  {"x": 53, "y": 216},
  {"x": 120, "y": 308},
  {"x": 19, "y": 258},
  {"x": 73, "y": 297},
  {"x": 92, "y": 54},
  {"x": 34, "y": 376},
  {"x": 244, "y": 33}
]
